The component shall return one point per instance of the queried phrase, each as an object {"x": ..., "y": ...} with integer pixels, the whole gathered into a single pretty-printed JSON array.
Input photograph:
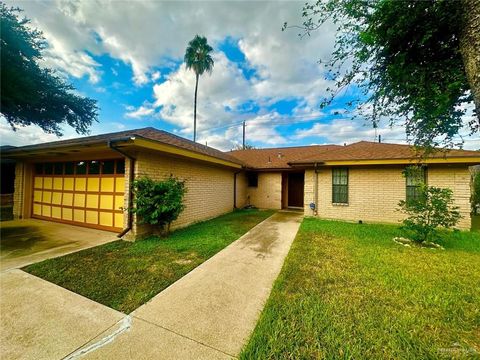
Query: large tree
[
  {"x": 417, "y": 62},
  {"x": 198, "y": 58},
  {"x": 31, "y": 94}
]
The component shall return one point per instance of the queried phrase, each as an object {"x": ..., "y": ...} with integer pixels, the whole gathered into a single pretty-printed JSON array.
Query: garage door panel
[
  {"x": 37, "y": 209},
  {"x": 57, "y": 183},
  {"x": 67, "y": 199},
  {"x": 87, "y": 195},
  {"x": 47, "y": 183},
  {"x": 68, "y": 183},
  {"x": 106, "y": 218},
  {"x": 46, "y": 210},
  {"x": 57, "y": 198},
  {"x": 80, "y": 184},
  {"x": 67, "y": 214},
  {"x": 56, "y": 212},
  {"x": 79, "y": 200},
  {"x": 93, "y": 184}
]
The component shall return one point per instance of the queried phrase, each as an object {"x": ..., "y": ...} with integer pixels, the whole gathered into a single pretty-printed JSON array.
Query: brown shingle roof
[
  {"x": 365, "y": 150},
  {"x": 148, "y": 133},
  {"x": 278, "y": 158}
]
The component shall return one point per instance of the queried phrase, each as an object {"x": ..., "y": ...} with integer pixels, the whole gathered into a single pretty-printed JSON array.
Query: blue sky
[{"x": 129, "y": 57}]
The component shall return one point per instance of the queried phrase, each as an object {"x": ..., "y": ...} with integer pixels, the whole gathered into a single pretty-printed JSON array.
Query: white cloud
[{"x": 142, "y": 111}]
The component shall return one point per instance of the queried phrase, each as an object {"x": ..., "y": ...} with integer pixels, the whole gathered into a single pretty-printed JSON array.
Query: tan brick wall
[
  {"x": 209, "y": 188},
  {"x": 241, "y": 191},
  {"x": 268, "y": 194},
  {"x": 18, "y": 196},
  {"x": 374, "y": 192}
]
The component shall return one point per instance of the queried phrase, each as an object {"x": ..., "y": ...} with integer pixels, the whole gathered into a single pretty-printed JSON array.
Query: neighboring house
[{"x": 86, "y": 181}]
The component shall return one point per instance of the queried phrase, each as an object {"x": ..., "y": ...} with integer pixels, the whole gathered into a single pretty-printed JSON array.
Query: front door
[{"x": 295, "y": 189}]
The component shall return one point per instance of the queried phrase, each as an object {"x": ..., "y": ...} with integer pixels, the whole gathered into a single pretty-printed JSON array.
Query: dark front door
[{"x": 295, "y": 189}]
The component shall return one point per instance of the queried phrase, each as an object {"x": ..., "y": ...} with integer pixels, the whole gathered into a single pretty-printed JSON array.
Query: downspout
[
  {"x": 316, "y": 189},
  {"x": 131, "y": 178}
]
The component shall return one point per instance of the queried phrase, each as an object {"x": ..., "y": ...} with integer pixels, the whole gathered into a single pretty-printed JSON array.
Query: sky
[{"x": 128, "y": 55}]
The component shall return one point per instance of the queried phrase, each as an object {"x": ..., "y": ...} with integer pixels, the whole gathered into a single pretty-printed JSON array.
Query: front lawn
[
  {"x": 348, "y": 291},
  {"x": 125, "y": 275}
]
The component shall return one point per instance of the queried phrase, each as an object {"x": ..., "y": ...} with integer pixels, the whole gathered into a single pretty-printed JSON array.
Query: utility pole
[{"x": 244, "y": 135}]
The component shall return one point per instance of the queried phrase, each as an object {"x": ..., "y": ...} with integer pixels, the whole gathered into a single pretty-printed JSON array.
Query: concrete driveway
[{"x": 24, "y": 242}]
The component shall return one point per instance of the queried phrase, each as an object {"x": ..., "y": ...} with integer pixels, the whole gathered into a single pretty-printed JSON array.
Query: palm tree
[{"x": 198, "y": 58}]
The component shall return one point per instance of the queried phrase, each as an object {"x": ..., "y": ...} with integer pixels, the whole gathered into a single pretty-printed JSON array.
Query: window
[
  {"x": 252, "y": 179},
  {"x": 81, "y": 168},
  {"x": 94, "y": 167},
  {"x": 413, "y": 181},
  {"x": 120, "y": 166},
  {"x": 39, "y": 169},
  {"x": 108, "y": 167},
  {"x": 340, "y": 186},
  {"x": 58, "y": 168},
  {"x": 69, "y": 168},
  {"x": 48, "y": 168}
]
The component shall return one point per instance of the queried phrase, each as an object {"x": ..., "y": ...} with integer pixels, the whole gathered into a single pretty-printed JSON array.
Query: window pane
[
  {"x": 108, "y": 167},
  {"x": 69, "y": 166},
  {"x": 48, "y": 168},
  {"x": 81, "y": 168},
  {"x": 94, "y": 167},
  {"x": 39, "y": 169},
  {"x": 252, "y": 179},
  {"x": 120, "y": 166},
  {"x": 58, "y": 168}
]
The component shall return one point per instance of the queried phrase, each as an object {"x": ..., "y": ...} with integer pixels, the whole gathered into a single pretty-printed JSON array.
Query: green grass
[
  {"x": 125, "y": 275},
  {"x": 347, "y": 291}
]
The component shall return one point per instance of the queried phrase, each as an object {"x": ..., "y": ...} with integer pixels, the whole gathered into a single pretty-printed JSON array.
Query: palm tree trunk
[
  {"x": 195, "y": 111},
  {"x": 470, "y": 47}
]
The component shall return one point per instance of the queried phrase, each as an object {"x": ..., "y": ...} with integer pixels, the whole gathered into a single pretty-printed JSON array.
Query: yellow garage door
[{"x": 87, "y": 193}]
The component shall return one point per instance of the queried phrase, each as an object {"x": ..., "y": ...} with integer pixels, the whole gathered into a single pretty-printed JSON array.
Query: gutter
[{"x": 131, "y": 159}]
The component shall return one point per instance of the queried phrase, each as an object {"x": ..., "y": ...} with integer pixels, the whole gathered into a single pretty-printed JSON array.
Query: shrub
[
  {"x": 158, "y": 202},
  {"x": 432, "y": 209},
  {"x": 476, "y": 193}
]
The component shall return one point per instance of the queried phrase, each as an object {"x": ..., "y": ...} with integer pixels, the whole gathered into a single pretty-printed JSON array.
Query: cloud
[{"x": 142, "y": 111}]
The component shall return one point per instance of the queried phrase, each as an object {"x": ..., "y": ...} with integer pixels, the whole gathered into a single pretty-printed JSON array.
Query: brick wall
[
  {"x": 18, "y": 196},
  {"x": 241, "y": 191},
  {"x": 374, "y": 192},
  {"x": 268, "y": 194},
  {"x": 209, "y": 188}
]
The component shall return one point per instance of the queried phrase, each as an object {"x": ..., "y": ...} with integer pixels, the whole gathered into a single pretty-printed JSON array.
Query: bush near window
[
  {"x": 476, "y": 193},
  {"x": 433, "y": 208},
  {"x": 158, "y": 202}
]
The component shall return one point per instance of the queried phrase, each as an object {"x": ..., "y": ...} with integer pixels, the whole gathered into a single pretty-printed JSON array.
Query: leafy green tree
[
  {"x": 31, "y": 94},
  {"x": 158, "y": 202},
  {"x": 198, "y": 58},
  {"x": 411, "y": 61},
  {"x": 432, "y": 209}
]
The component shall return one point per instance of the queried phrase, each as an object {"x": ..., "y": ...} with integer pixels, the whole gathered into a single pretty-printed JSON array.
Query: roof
[
  {"x": 365, "y": 150},
  {"x": 279, "y": 158},
  {"x": 148, "y": 133}
]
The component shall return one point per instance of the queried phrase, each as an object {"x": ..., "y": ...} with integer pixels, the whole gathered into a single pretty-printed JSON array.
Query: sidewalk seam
[{"x": 184, "y": 336}]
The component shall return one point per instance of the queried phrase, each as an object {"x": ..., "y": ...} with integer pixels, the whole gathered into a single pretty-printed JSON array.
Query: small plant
[
  {"x": 158, "y": 202},
  {"x": 433, "y": 208}
]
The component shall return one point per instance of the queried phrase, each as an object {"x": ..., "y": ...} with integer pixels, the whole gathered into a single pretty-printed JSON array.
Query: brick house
[{"x": 86, "y": 181}]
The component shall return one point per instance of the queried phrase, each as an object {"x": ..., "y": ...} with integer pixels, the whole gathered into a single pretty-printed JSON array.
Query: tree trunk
[
  {"x": 195, "y": 110},
  {"x": 470, "y": 48}
]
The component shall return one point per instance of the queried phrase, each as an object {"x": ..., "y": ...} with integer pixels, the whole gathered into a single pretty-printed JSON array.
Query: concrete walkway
[
  {"x": 29, "y": 241},
  {"x": 210, "y": 312}
]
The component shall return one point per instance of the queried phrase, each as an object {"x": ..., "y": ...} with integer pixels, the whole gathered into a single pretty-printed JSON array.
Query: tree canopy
[
  {"x": 31, "y": 94},
  {"x": 408, "y": 61}
]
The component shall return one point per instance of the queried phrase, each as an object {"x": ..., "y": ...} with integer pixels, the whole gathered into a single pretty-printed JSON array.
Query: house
[{"x": 86, "y": 181}]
